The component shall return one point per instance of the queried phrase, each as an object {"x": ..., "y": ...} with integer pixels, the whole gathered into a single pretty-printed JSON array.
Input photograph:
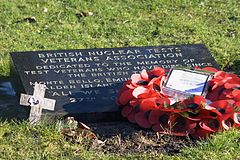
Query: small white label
[{"x": 187, "y": 82}]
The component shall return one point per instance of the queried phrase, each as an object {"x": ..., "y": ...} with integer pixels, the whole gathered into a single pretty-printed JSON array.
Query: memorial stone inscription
[{"x": 88, "y": 80}]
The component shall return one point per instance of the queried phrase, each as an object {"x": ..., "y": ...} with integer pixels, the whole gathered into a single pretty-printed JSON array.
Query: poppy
[
  {"x": 144, "y": 78},
  {"x": 223, "y": 108},
  {"x": 156, "y": 72},
  {"x": 140, "y": 90},
  {"x": 154, "y": 103},
  {"x": 181, "y": 126},
  {"x": 208, "y": 112},
  {"x": 140, "y": 79},
  {"x": 131, "y": 117},
  {"x": 126, "y": 110},
  {"x": 236, "y": 95},
  {"x": 125, "y": 97},
  {"x": 228, "y": 123},
  {"x": 224, "y": 79},
  {"x": 130, "y": 110},
  {"x": 210, "y": 125},
  {"x": 154, "y": 116},
  {"x": 125, "y": 94},
  {"x": 156, "y": 84},
  {"x": 200, "y": 133},
  {"x": 219, "y": 93},
  {"x": 203, "y": 113},
  {"x": 136, "y": 109},
  {"x": 234, "y": 82},
  {"x": 236, "y": 119},
  {"x": 159, "y": 120},
  {"x": 142, "y": 119},
  {"x": 193, "y": 116},
  {"x": 195, "y": 102},
  {"x": 149, "y": 94},
  {"x": 148, "y": 104}
]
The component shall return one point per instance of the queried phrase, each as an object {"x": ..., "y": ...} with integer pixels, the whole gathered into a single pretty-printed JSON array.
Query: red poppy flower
[
  {"x": 126, "y": 110},
  {"x": 144, "y": 93},
  {"x": 200, "y": 133},
  {"x": 156, "y": 72},
  {"x": 195, "y": 102},
  {"x": 160, "y": 121},
  {"x": 220, "y": 93},
  {"x": 224, "y": 79},
  {"x": 181, "y": 126},
  {"x": 131, "y": 109},
  {"x": 153, "y": 103},
  {"x": 140, "y": 79},
  {"x": 142, "y": 119},
  {"x": 210, "y": 125},
  {"x": 131, "y": 116},
  {"x": 236, "y": 119},
  {"x": 219, "y": 79},
  {"x": 228, "y": 123},
  {"x": 223, "y": 108},
  {"x": 197, "y": 116},
  {"x": 149, "y": 92},
  {"x": 125, "y": 97},
  {"x": 157, "y": 82},
  {"x": 148, "y": 104},
  {"x": 140, "y": 90},
  {"x": 236, "y": 95},
  {"x": 234, "y": 82},
  {"x": 207, "y": 112},
  {"x": 154, "y": 116},
  {"x": 125, "y": 94},
  {"x": 144, "y": 77}
]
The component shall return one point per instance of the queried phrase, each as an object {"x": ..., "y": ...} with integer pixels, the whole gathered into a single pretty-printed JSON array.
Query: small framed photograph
[{"x": 182, "y": 83}]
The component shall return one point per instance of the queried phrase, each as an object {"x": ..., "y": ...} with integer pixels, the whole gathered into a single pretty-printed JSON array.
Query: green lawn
[
  {"x": 215, "y": 23},
  {"x": 23, "y": 141},
  {"x": 118, "y": 24}
]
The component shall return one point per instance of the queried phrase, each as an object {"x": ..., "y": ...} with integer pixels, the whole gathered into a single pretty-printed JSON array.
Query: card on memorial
[{"x": 182, "y": 83}]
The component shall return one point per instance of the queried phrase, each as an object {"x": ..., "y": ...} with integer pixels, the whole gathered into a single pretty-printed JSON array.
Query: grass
[
  {"x": 24, "y": 141},
  {"x": 122, "y": 23},
  {"x": 118, "y": 24},
  {"x": 221, "y": 146}
]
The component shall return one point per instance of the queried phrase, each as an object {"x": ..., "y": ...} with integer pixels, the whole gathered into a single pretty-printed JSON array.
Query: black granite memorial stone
[{"x": 88, "y": 80}]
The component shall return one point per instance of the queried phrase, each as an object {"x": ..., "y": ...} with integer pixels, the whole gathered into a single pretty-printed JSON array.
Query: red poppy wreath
[{"x": 142, "y": 101}]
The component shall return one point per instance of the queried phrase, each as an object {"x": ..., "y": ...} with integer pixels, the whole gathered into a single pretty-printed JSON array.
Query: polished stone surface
[{"x": 88, "y": 80}]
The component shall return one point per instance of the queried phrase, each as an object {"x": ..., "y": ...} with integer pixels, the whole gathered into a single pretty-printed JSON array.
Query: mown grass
[
  {"x": 117, "y": 24},
  {"x": 44, "y": 141},
  {"x": 122, "y": 23}
]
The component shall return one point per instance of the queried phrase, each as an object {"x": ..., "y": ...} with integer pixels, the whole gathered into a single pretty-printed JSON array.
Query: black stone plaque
[{"x": 88, "y": 80}]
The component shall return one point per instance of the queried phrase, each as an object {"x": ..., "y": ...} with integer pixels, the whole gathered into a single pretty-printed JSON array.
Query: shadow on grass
[{"x": 9, "y": 103}]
